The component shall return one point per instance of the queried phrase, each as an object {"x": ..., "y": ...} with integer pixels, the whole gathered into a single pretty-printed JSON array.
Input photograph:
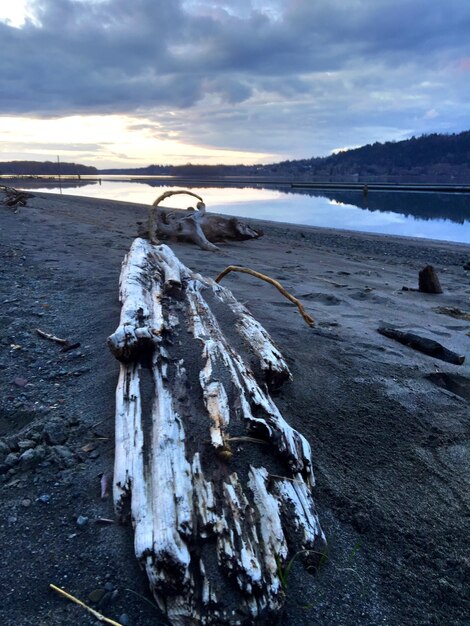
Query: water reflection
[{"x": 416, "y": 214}]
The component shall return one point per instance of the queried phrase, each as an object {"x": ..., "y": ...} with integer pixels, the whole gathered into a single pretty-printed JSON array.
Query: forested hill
[
  {"x": 430, "y": 157},
  {"x": 35, "y": 168}
]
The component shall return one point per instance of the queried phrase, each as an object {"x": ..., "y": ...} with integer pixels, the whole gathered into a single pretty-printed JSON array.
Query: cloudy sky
[{"x": 134, "y": 82}]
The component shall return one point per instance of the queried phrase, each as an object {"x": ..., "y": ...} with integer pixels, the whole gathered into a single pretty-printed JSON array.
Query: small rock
[
  {"x": 105, "y": 600},
  {"x": 30, "y": 458},
  {"x": 63, "y": 456},
  {"x": 45, "y": 498},
  {"x": 96, "y": 595},
  {"x": 26, "y": 502},
  {"x": 82, "y": 520},
  {"x": 55, "y": 432},
  {"x": 109, "y": 586},
  {"x": 466, "y": 266},
  {"x": 124, "y": 619},
  {"x": 13, "y": 443},
  {"x": 94, "y": 454},
  {"x": 12, "y": 459},
  {"x": 20, "y": 382}
]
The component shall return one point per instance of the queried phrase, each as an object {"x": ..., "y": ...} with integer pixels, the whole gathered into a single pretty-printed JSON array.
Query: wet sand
[{"x": 389, "y": 426}]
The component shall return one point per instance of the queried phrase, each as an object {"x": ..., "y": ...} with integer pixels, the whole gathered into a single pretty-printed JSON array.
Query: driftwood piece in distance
[
  {"x": 14, "y": 197},
  {"x": 423, "y": 344},
  {"x": 454, "y": 312},
  {"x": 65, "y": 343},
  {"x": 429, "y": 280},
  {"x": 216, "y": 515},
  {"x": 195, "y": 224},
  {"x": 246, "y": 270}
]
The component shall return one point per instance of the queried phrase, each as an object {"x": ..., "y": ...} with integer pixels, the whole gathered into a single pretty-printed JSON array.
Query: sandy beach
[{"x": 388, "y": 426}]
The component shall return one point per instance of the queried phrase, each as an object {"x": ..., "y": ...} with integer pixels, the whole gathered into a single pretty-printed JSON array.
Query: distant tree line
[
  {"x": 429, "y": 158},
  {"x": 35, "y": 168},
  {"x": 434, "y": 157}
]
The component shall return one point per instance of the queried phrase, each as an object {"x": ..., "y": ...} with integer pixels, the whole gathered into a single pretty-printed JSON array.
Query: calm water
[{"x": 413, "y": 214}]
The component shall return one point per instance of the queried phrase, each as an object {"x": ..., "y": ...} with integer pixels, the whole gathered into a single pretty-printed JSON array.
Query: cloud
[{"x": 291, "y": 77}]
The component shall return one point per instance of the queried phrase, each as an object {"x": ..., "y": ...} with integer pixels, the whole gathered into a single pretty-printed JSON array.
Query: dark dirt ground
[{"x": 389, "y": 427}]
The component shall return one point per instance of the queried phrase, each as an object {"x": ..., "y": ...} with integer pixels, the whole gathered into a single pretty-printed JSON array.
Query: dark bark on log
[
  {"x": 429, "y": 280},
  {"x": 423, "y": 344},
  {"x": 217, "y": 514}
]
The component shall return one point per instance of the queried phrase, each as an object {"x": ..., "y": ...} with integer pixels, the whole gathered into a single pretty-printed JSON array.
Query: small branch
[
  {"x": 246, "y": 270},
  {"x": 98, "y": 616},
  {"x": 41, "y": 333},
  {"x": 331, "y": 282}
]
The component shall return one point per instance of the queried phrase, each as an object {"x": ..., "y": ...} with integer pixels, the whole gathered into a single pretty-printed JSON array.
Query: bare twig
[
  {"x": 63, "y": 342},
  {"x": 45, "y": 335},
  {"x": 99, "y": 617},
  {"x": 246, "y": 270},
  {"x": 331, "y": 282}
]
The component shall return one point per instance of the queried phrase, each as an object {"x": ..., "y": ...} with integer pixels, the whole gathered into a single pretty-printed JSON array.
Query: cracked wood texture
[{"x": 216, "y": 483}]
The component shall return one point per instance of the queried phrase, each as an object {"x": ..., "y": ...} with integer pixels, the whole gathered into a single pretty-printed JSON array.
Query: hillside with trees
[
  {"x": 37, "y": 168},
  {"x": 434, "y": 158},
  {"x": 430, "y": 158}
]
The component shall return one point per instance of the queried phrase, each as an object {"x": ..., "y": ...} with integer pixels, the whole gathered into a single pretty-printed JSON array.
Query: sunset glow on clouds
[{"x": 112, "y": 82}]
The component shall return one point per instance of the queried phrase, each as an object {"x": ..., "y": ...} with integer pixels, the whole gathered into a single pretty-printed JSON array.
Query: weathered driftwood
[
  {"x": 453, "y": 311},
  {"x": 217, "y": 515},
  {"x": 423, "y": 344},
  {"x": 14, "y": 197},
  {"x": 195, "y": 224}
]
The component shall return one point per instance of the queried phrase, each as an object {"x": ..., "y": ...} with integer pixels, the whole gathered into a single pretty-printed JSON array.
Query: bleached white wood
[
  {"x": 296, "y": 495},
  {"x": 139, "y": 293},
  {"x": 289, "y": 441},
  {"x": 210, "y": 538},
  {"x": 272, "y": 363}
]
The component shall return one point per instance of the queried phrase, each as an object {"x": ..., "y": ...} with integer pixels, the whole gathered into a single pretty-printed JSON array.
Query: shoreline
[
  {"x": 388, "y": 426},
  {"x": 271, "y": 224}
]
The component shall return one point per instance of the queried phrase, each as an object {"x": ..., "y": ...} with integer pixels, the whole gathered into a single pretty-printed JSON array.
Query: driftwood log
[
  {"x": 423, "y": 344},
  {"x": 195, "y": 224},
  {"x": 15, "y": 197},
  {"x": 216, "y": 483}
]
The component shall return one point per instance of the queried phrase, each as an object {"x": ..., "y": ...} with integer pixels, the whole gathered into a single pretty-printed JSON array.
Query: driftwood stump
[
  {"x": 429, "y": 280},
  {"x": 195, "y": 224},
  {"x": 217, "y": 484}
]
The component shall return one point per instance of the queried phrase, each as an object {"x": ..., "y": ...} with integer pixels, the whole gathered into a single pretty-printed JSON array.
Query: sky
[{"x": 127, "y": 83}]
